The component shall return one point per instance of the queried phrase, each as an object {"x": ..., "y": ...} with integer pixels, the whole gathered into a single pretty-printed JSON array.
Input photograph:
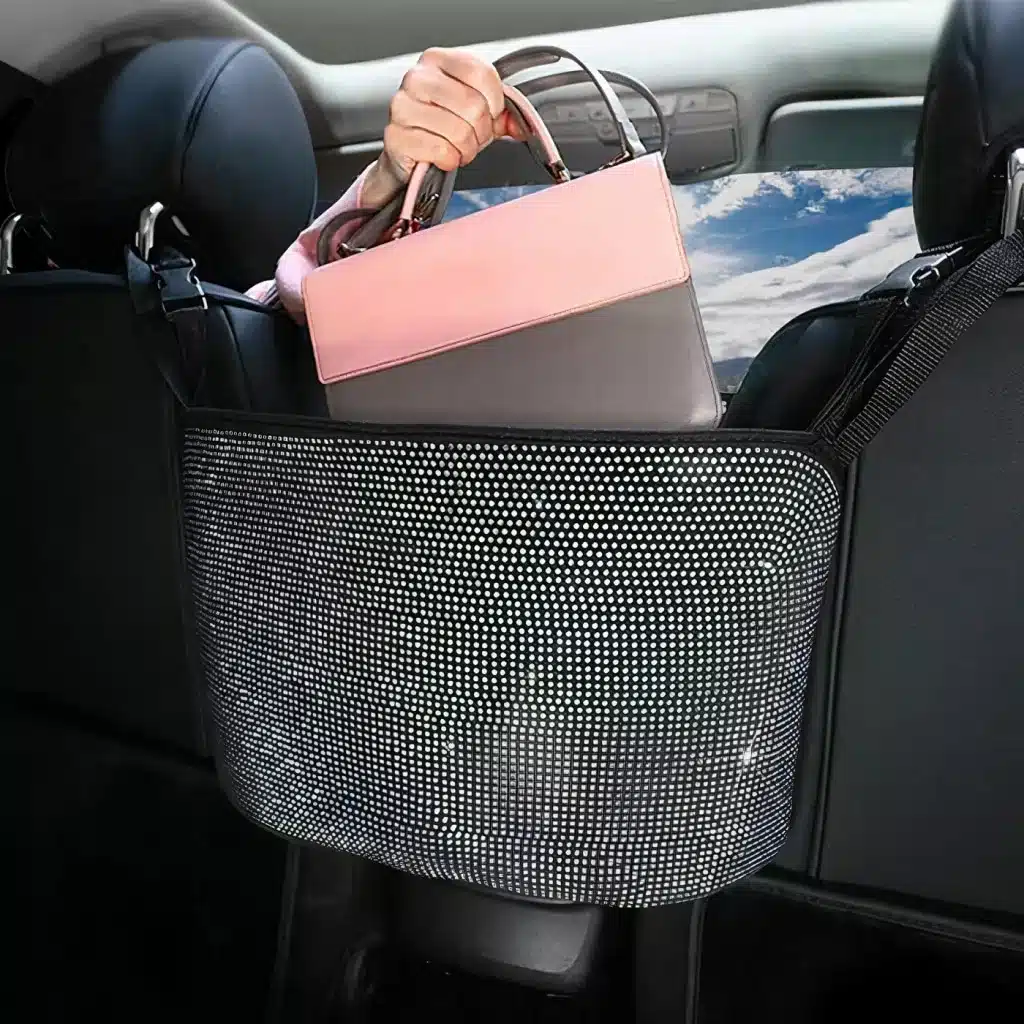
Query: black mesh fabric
[{"x": 562, "y": 669}]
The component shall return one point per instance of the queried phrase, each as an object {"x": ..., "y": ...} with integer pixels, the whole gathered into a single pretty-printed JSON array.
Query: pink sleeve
[{"x": 300, "y": 257}]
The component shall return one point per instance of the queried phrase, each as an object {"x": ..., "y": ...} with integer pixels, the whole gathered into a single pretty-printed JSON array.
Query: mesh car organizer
[
  {"x": 561, "y": 666},
  {"x": 565, "y": 667}
]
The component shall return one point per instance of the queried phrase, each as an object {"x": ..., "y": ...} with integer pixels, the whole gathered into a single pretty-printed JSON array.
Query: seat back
[
  {"x": 136, "y": 883},
  {"x": 927, "y": 764},
  {"x": 102, "y": 626},
  {"x": 791, "y": 380},
  {"x": 913, "y": 785}
]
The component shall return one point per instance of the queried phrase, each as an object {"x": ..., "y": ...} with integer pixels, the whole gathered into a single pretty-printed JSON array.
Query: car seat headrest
[
  {"x": 212, "y": 129},
  {"x": 973, "y": 117}
]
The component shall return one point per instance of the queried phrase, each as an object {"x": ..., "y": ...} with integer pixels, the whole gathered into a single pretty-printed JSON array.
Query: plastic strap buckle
[
  {"x": 184, "y": 307},
  {"x": 925, "y": 279},
  {"x": 180, "y": 291}
]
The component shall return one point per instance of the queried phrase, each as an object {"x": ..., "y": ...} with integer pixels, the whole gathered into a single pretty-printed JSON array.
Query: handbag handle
[
  {"x": 536, "y": 56},
  {"x": 517, "y": 102},
  {"x": 428, "y": 191},
  {"x": 563, "y": 79}
]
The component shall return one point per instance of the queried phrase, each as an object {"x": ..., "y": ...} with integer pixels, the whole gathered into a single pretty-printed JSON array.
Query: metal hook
[
  {"x": 1014, "y": 192},
  {"x": 145, "y": 235},
  {"x": 10, "y": 226}
]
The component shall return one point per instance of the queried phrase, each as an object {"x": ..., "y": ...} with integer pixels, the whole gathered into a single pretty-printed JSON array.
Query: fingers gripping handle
[
  {"x": 517, "y": 103},
  {"x": 426, "y": 195},
  {"x": 418, "y": 190}
]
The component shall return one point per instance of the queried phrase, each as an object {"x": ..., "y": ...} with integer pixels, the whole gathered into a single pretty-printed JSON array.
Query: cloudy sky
[{"x": 766, "y": 247}]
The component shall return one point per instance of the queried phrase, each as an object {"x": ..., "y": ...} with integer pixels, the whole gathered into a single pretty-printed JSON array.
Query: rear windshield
[{"x": 767, "y": 247}]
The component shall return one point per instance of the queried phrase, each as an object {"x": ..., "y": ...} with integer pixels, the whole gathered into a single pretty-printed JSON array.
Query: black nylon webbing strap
[
  {"x": 830, "y": 420},
  {"x": 168, "y": 283},
  {"x": 952, "y": 314}
]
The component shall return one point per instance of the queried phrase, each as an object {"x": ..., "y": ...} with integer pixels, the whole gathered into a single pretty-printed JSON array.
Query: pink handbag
[{"x": 571, "y": 307}]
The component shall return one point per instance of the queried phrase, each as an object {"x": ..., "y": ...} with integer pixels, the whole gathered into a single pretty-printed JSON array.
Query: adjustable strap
[
  {"x": 168, "y": 283},
  {"x": 955, "y": 308},
  {"x": 866, "y": 322},
  {"x": 911, "y": 287}
]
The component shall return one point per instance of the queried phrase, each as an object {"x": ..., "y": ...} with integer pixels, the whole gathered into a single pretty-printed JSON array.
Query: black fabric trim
[
  {"x": 305, "y": 426},
  {"x": 837, "y": 618},
  {"x": 945, "y": 921},
  {"x": 247, "y": 422},
  {"x": 286, "y": 925},
  {"x": 186, "y": 604}
]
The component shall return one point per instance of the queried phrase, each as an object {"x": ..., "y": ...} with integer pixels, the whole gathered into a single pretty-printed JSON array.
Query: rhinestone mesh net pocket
[{"x": 573, "y": 671}]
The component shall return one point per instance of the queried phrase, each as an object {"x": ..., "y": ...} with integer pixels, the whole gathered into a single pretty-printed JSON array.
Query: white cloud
[
  {"x": 722, "y": 197},
  {"x": 840, "y": 185},
  {"x": 714, "y": 265},
  {"x": 742, "y": 311},
  {"x": 812, "y": 208},
  {"x": 713, "y": 200}
]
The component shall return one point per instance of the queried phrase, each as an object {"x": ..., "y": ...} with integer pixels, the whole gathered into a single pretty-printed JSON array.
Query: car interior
[{"x": 137, "y": 891}]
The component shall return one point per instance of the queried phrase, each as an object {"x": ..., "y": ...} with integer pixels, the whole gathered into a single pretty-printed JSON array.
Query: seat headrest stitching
[{"x": 195, "y": 108}]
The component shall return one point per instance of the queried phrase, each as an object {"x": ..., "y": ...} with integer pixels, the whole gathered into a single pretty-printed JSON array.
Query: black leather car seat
[
  {"x": 137, "y": 889},
  {"x": 918, "y": 682},
  {"x": 908, "y": 818},
  {"x": 214, "y": 131},
  {"x": 800, "y": 366},
  {"x": 927, "y": 763},
  {"x": 789, "y": 381}
]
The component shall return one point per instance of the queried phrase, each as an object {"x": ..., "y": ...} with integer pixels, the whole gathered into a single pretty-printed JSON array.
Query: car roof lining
[
  {"x": 326, "y": 31},
  {"x": 768, "y": 59}
]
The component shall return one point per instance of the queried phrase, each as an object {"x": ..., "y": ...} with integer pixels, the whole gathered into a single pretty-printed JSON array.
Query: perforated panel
[{"x": 572, "y": 671}]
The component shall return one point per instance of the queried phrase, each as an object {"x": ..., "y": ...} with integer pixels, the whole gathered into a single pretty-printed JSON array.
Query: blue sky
[
  {"x": 773, "y": 228},
  {"x": 766, "y": 247}
]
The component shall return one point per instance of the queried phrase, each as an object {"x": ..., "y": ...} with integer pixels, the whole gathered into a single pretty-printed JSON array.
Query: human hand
[{"x": 449, "y": 108}]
